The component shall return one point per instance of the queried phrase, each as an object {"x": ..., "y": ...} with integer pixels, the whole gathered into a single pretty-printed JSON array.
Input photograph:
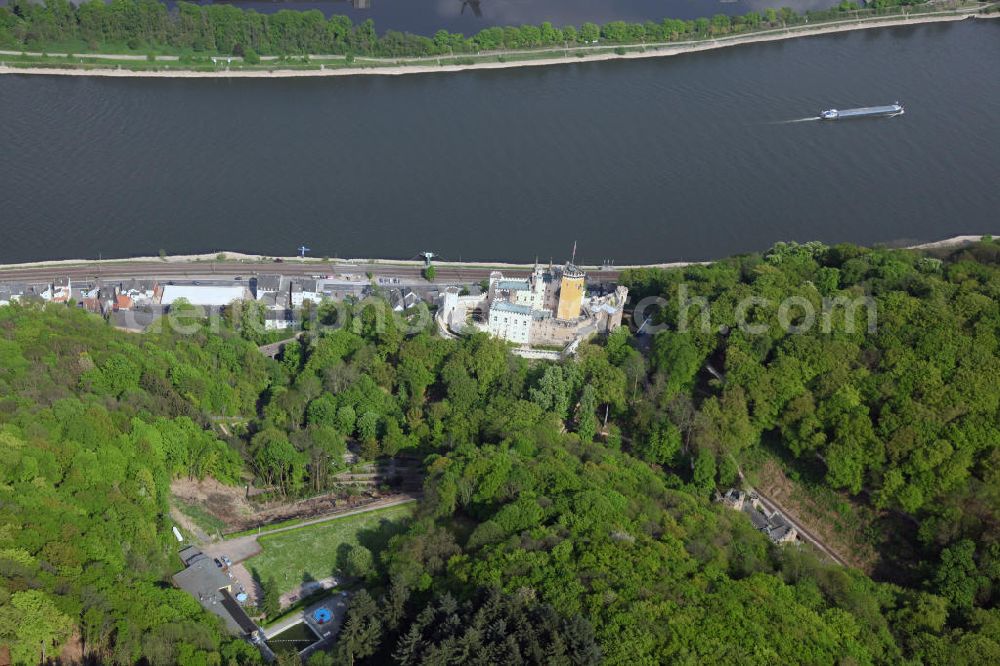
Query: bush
[{"x": 620, "y": 50}]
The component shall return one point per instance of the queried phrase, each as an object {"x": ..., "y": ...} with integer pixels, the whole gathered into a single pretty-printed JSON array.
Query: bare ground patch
[
  {"x": 226, "y": 503},
  {"x": 842, "y": 528},
  {"x": 230, "y": 507}
]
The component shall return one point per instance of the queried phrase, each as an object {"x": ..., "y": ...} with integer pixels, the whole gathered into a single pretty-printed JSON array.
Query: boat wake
[{"x": 796, "y": 120}]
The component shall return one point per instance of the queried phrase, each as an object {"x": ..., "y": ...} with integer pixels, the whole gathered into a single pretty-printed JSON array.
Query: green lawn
[{"x": 312, "y": 553}]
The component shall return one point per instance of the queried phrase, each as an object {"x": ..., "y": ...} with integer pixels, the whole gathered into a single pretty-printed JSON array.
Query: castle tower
[{"x": 571, "y": 289}]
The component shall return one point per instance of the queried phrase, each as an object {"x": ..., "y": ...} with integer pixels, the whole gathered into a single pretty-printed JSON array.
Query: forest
[
  {"x": 567, "y": 514},
  {"x": 191, "y": 29}
]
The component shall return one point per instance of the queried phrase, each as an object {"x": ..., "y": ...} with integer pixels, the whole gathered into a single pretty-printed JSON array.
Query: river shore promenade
[
  {"x": 234, "y": 263},
  {"x": 522, "y": 58}
]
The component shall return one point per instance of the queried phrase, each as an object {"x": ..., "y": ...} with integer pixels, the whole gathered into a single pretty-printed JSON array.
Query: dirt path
[{"x": 189, "y": 525}]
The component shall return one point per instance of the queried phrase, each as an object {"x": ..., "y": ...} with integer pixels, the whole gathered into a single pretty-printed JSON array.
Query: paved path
[
  {"x": 245, "y": 547},
  {"x": 565, "y": 49},
  {"x": 99, "y": 56},
  {"x": 336, "y": 604},
  {"x": 306, "y": 589}
]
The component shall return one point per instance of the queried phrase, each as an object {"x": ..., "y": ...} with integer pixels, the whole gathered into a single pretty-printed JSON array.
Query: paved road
[{"x": 245, "y": 547}]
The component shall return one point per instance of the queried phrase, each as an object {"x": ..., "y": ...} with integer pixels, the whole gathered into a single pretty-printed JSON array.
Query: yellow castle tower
[{"x": 571, "y": 289}]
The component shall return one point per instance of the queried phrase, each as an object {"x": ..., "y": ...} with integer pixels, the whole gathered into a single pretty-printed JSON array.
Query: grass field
[
  {"x": 203, "y": 519},
  {"x": 312, "y": 553}
]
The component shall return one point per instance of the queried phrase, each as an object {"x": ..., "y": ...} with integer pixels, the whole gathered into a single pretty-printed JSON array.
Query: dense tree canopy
[
  {"x": 221, "y": 28},
  {"x": 567, "y": 514},
  {"x": 93, "y": 427}
]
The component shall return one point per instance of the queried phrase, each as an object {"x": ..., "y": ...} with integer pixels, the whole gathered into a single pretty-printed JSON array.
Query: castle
[{"x": 549, "y": 308}]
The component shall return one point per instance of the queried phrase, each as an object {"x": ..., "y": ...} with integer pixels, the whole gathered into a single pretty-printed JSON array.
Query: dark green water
[
  {"x": 676, "y": 158},
  {"x": 294, "y": 639}
]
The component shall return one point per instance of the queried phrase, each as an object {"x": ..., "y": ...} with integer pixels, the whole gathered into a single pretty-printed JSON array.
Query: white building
[
  {"x": 59, "y": 291},
  {"x": 262, "y": 285},
  {"x": 520, "y": 291},
  {"x": 511, "y": 321},
  {"x": 204, "y": 295},
  {"x": 302, "y": 291}
]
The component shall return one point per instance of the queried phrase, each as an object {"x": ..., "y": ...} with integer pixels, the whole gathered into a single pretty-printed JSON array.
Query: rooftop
[
  {"x": 201, "y": 295},
  {"x": 267, "y": 282},
  {"x": 206, "y": 582},
  {"x": 514, "y": 285},
  {"x": 503, "y": 306},
  {"x": 303, "y": 284}
]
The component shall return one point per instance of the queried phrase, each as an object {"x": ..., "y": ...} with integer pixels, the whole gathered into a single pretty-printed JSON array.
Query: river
[{"x": 688, "y": 157}]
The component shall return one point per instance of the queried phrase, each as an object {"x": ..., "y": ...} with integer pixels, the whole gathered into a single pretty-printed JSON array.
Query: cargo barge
[{"x": 863, "y": 112}]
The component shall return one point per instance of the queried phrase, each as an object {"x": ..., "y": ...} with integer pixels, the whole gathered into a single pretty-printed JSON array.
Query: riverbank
[
  {"x": 325, "y": 263},
  {"x": 525, "y": 58}
]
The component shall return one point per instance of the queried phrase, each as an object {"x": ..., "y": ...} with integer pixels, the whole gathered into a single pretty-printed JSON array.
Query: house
[
  {"x": 122, "y": 302},
  {"x": 212, "y": 586},
  {"x": 404, "y": 300},
  {"x": 60, "y": 291},
  {"x": 93, "y": 305},
  {"x": 780, "y": 530},
  {"x": 263, "y": 285},
  {"x": 275, "y": 301},
  {"x": 279, "y": 320},
  {"x": 10, "y": 293},
  {"x": 772, "y": 523},
  {"x": 88, "y": 292},
  {"x": 142, "y": 292},
  {"x": 303, "y": 290},
  {"x": 734, "y": 499}
]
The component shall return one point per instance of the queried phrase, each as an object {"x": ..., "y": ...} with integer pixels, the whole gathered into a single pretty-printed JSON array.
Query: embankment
[{"x": 535, "y": 58}]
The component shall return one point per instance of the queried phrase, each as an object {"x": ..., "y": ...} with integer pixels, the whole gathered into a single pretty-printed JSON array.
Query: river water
[{"x": 688, "y": 157}]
